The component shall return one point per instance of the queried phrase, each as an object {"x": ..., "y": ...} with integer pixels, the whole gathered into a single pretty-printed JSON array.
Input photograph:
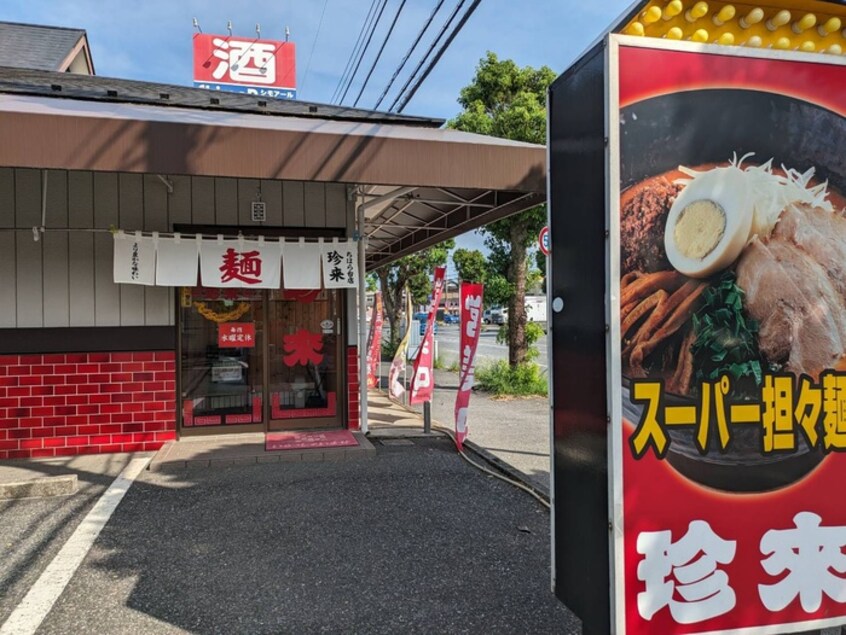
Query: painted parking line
[{"x": 28, "y": 615}]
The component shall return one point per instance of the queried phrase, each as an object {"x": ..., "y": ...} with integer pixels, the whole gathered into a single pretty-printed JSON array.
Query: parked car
[
  {"x": 486, "y": 317},
  {"x": 449, "y": 318},
  {"x": 423, "y": 318},
  {"x": 499, "y": 316}
]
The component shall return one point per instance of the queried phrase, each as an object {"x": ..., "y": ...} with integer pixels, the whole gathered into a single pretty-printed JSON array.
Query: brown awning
[{"x": 460, "y": 181}]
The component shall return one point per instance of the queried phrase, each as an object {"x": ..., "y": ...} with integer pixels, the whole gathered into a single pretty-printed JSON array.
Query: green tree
[
  {"x": 507, "y": 101},
  {"x": 471, "y": 265},
  {"x": 415, "y": 271},
  {"x": 372, "y": 282}
]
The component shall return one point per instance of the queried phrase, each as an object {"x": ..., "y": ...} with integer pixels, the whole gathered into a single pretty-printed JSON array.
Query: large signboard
[
  {"x": 727, "y": 360},
  {"x": 266, "y": 68}
]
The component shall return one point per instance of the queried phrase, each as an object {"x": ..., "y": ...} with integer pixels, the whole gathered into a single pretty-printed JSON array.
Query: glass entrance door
[
  {"x": 254, "y": 360},
  {"x": 303, "y": 353},
  {"x": 222, "y": 359}
]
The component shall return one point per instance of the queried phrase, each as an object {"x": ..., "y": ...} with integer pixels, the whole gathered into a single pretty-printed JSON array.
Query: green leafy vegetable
[{"x": 726, "y": 340}]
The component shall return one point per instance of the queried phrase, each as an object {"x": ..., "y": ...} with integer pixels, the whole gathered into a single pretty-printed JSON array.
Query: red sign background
[
  {"x": 206, "y": 62},
  {"x": 236, "y": 335},
  {"x": 657, "y": 498}
]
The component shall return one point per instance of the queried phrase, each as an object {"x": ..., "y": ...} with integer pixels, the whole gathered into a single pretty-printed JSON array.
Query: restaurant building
[{"x": 113, "y": 340}]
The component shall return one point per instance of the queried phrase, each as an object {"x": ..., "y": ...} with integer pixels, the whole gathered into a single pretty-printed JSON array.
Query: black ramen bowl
[{"x": 710, "y": 126}]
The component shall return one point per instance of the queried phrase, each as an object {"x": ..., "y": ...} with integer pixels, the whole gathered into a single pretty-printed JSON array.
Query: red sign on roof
[{"x": 247, "y": 65}]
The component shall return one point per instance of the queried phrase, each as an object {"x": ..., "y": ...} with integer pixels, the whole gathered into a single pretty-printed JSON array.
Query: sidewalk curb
[
  {"x": 504, "y": 467},
  {"x": 508, "y": 469},
  {"x": 39, "y": 487}
]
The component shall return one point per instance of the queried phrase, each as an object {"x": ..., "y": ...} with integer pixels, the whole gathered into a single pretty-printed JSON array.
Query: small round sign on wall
[{"x": 543, "y": 240}]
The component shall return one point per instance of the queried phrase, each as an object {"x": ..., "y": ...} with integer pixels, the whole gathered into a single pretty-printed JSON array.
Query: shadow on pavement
[
  {"x": 411, "y": 541},
  {"x": 33, "y": 530}
]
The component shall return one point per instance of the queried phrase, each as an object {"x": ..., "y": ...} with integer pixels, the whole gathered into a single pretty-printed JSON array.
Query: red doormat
[{"x": 309, "y": 440}]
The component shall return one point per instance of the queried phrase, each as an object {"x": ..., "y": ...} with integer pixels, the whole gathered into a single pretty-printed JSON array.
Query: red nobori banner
[
  {"x": 730, "y": 319},
  {"x": 261, "y": 67},
  {"x": 471, "y": 324},
  {"x": 236, "y": 335},
  {"x": 374, "y": 348},
  {"x": 396, "y": 388},
  {"x": 422, "y": 383}
]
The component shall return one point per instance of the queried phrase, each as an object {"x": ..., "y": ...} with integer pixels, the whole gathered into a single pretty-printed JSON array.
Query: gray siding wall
[{"x": 65, "y": 279}]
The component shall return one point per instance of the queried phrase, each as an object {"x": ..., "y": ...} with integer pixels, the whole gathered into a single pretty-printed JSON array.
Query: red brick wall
[
  {"x": 86, "y": 403},
  {"x": 352, "y": 388}
]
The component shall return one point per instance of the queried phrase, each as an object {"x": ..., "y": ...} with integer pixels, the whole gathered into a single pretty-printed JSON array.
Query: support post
[
  {"x": 427, "y": 417},
  {"x": 362, "y": 321},
  {"x": 361, "y": 208}
]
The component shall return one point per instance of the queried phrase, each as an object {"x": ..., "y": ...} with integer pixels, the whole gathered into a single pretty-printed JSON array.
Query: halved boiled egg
[{"x": 709, "y": 223}]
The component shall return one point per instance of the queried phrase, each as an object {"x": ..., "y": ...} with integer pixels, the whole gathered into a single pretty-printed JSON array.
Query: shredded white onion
[{"x": 771, "y": 193}]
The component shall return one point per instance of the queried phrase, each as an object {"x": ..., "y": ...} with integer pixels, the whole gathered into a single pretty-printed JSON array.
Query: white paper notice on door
[
  {"x": 301, "y": 265},
  {"x": 240, "y": 263},
  {"x": 134, "y": 259},
  {"x": 340, "y": 264},
  {"x": 177, "y": 261}
]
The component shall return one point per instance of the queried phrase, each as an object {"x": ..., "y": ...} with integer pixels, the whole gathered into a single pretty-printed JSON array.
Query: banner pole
[
  {"x": 362, "y": 322},
  {"x": 427, "y": 417}
]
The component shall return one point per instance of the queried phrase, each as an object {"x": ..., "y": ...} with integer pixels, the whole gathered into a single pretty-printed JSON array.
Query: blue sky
[{"x": 151, "y": 39}]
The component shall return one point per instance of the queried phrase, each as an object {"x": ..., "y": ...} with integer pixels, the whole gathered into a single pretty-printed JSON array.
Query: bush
[
  {"x": 500, "y": 379},
  {"x": 388, "y": 351},
  {"x": 534, "y": 332}
]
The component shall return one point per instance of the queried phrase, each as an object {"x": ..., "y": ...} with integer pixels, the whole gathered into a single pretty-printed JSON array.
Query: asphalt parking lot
[
  {"x": 412, "y": 541},
  {"x": 32, "y": 531}
]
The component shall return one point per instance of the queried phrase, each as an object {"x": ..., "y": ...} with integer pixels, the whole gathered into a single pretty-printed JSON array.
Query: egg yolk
[{"x": 699, "y": 229}]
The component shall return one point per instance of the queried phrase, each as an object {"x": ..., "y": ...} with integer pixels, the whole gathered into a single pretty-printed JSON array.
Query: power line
[
  {"x": 432, "y": 46},
  {"x": 371, "y": 12},
  {"x": 408, "y": 54},
  {"x": 354, "y": 53},
  {"x": 363, "y": 51},
  {"x": 314, "y": 42},
  {"x": 379, "y": 54},
  {"x": 440, "y": 53}
]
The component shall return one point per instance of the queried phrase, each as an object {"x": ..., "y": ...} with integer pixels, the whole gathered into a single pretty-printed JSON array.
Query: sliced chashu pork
[
  {"x": 820, "y": 234},
  {"x": 796, "y": 300}
]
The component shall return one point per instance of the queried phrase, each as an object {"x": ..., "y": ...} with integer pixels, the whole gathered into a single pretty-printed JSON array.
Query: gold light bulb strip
[
  {"x": 697, "y": 11},
  {"x": 651, "y": 15},
  {"x": 724, "y": 15},
  {"x": 751, "y": 18},
  {"x": 803, "y": 25},
  {"x": 807, "y": 21},
  {"x": 832, "y": 25},
  {"x": 672, "y": 9},
  {"x": 779, "y": 19}
]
